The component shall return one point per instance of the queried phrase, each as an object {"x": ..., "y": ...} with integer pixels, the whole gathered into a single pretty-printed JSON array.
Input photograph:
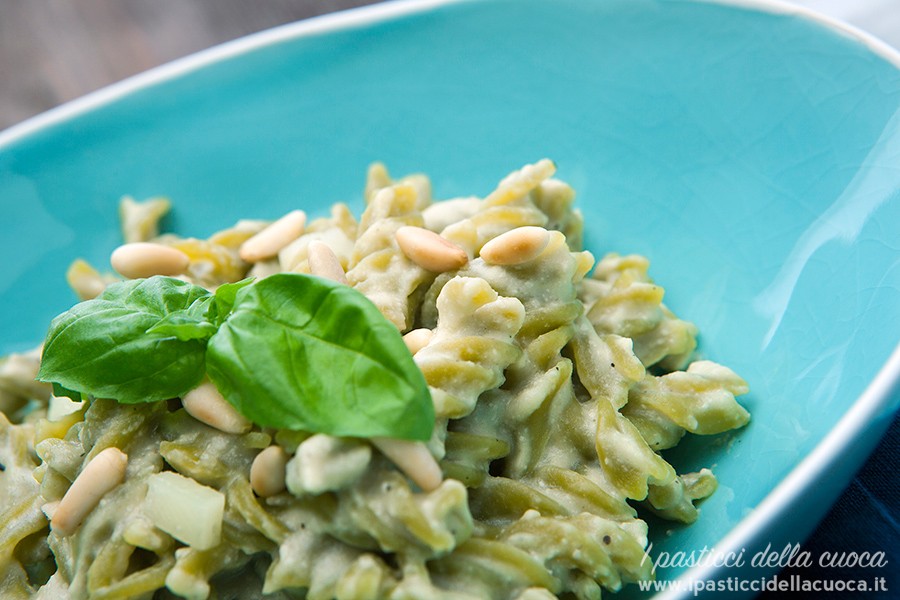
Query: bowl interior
[{"x": 753, "y": 157}]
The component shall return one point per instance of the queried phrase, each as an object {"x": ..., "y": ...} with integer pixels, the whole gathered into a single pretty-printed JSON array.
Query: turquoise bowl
[{"x": 750, "y": 151}]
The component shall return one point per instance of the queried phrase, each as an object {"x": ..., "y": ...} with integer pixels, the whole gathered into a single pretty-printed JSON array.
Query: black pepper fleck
[{"x": 607, "y": 539}]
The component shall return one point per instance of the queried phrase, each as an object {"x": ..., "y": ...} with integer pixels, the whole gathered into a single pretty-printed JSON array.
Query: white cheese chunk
[{"x": 189, "y": 512}]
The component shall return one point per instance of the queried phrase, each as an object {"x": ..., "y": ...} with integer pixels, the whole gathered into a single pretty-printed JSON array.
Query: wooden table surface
[{"x": 52, "y": 51}]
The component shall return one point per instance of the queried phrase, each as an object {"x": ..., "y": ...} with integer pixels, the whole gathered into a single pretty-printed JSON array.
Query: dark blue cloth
[{"x": 866, "y": 518}]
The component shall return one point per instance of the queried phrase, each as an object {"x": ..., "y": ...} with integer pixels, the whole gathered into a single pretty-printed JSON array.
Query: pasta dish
[{"x": 440, "y": 399}]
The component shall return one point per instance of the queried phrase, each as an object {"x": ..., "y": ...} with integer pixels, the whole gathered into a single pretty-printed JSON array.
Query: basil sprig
[
  {"x": 326, "y": 344},
  {"x": 101, "y": 347},
  {"x": 290, "y": 351}
]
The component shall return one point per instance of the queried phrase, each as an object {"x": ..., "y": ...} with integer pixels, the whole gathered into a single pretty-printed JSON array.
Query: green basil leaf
[
  {"x": 223, "y": 302},
  {"x": 199, "y": 310},
  {"x": 157, "y": 295},
  {"x": 61, "y": 392},
  {"x": 301, "y": 352},
  {"x": 183, "y": 326},
  {"x": 100, "y": 347}
]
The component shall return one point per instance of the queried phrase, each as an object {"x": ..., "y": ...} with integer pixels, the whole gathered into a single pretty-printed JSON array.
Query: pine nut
[
  {"x": 268, "y": 242},
  {"x": 103, "y": 473},
  {"x": 414, "y": 459},
  {"x": 417, "y": 339},
  {"x": 429, "y": 250},
  {"x": 267, "y": 472},
  {"x": 516, "y": 246},
  {"x": 146, "y": 259},
  {"x": 323, "y": 262},
  {"x": 208, "y": 406}
]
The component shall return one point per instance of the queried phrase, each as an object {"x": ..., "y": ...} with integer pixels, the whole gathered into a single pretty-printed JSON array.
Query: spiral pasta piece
[
  {"x": 20, "y": 504},
  {"x": 469, "y": 456},
  {"x": 676, "y": 501},
  {"x": 623, "y": 300},
  {"x": 472, "y": 344},
  {"x": 581, "y": 544},
  {"x": 511, "y": 205},
  {"x": 492, "y": 569},
  {"x": 377, "y": 267},
  {"x": 700, "y": 399},
  {"x": 555, "y": 199}
]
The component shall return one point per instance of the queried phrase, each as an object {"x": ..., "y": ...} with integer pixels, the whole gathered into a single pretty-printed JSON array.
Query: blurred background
[{"x": 52, "y": 51}]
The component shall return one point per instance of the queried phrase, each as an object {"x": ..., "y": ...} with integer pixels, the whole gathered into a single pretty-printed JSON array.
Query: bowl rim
[
  {"x": 361, "y": 16},
  {"x": 876, "y": 400}
]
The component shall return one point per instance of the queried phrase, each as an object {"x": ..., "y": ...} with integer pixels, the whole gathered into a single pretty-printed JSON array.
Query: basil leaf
[
  {"x": 199, "y": 310},
  {"x": 101, "y": 347},
  {"x": 183, "y": 326},
  {"x": 301, "y": 352},
  {"x": 191, "y": 323},
  {"x": 60, "y": 392},
  {"x": 224, "y": 299}
]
